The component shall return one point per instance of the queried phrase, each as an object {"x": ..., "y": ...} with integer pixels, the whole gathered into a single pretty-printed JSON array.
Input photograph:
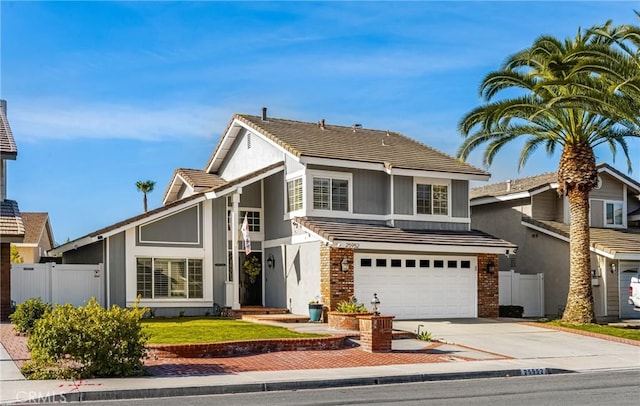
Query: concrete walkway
[{"x": 472, "y": 348}]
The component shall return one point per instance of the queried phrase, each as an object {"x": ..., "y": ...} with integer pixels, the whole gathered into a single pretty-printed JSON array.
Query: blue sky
[{"x": 103, "y": 94}]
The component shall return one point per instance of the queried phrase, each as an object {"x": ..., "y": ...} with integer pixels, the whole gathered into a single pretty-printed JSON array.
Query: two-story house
[
  {"x": 11, "y": 226},
  {"x": 331, "y": 212},
  {"x": 530, "y": 213}
]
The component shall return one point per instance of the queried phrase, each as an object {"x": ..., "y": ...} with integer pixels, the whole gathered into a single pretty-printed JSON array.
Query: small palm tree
[
  {"x": 573, "y": 94},
  {"x": 145, "y": 186}
]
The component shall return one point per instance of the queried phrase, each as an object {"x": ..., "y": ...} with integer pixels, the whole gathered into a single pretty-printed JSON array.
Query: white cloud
[{"x": 59, "y": 120}]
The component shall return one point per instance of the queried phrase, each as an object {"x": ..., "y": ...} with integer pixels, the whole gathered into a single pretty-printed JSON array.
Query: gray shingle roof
[
  {"x": 516, "y": 185},
  {"x": 10, "y": 220},
  {"x": 604, "y": 239},
  {"x": 334, "y": 231},
  {"x": 8, "y": 148},
  {"x": 359, "y": 144}
]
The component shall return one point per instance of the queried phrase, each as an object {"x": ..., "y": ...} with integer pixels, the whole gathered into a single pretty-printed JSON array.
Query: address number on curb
[{"x": 533, "y": 371}]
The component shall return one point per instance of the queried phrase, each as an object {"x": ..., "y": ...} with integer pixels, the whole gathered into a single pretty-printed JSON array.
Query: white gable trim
[
  {"x": 229, "y": 138},
  {"x": 89, "y": 239}
]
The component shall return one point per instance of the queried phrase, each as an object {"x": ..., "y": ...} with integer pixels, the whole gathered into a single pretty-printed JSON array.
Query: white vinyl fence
[
  {"x": 57, "y": 283},
  {"x": 522, "y": 290}
]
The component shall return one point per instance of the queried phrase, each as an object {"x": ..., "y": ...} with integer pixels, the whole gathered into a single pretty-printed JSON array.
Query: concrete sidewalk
[{"x": 495, "y": 347}]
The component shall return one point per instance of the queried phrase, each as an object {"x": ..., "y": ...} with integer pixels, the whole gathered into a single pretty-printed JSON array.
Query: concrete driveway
[{"x": 514, "y": 339}]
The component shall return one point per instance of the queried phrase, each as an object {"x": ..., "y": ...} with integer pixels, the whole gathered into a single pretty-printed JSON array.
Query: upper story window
[
  {"x": 613, "y": 214},
  {"x": 253, "y": 219},
  {"x": 294, "y": 195},
  {"x": 432, "y": 199},
  {"x": 330, "y": 194}
]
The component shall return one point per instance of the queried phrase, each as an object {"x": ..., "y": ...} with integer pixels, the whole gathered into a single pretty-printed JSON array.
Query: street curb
[{"x": 293, "y": 385}]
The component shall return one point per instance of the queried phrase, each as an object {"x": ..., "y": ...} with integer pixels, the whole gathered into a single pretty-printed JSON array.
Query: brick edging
[
  {"x": 229, "y": 348},
  {"x": 606, "y": 337}
]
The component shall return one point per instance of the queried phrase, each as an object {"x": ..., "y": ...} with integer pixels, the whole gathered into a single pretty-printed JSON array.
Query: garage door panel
[{"x": 419, "y": 292}]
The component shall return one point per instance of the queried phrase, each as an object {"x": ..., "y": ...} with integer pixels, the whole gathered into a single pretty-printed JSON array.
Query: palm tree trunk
[
  {"x": 577, "y": 176},
  {"x": 579, "y": 309},
  {"x": 144, "y": 199}
]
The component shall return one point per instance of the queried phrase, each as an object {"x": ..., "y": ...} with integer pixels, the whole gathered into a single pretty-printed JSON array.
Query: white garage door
[
  {"x": 416, "y": 287},
  {"x": 628, "y": 270}
]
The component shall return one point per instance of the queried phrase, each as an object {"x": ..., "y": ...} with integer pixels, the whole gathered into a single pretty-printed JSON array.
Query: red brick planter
[
  {"x": 208, "y": 350},
  {"x": 345, "y": 321},
  {"x": 376, "y": 333}
]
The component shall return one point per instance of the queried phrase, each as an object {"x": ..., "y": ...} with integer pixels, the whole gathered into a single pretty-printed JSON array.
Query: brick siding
[{"x": 488, "y": 301}]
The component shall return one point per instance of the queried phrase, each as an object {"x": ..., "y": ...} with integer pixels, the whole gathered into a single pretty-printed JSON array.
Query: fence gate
[
  {"x": 522, "y": 290},
  {"x": 58, "y": 283}
]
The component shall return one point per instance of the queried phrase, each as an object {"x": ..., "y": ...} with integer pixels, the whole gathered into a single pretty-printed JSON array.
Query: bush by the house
[
  {"x": 27, "y": 313},
  {"x": 87, "y": 342},
  {"x": 347, "y": 306}
]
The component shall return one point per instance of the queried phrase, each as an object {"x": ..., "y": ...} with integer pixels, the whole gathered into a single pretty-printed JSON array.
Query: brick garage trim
[
  {"x": 209, "y": 350},
  {"x": 335, "y": 285},
  {"x": 488, "y": 293}
]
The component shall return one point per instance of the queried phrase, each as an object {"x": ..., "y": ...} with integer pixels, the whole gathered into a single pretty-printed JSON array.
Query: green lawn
[
  {"x": 630, "y": 333},
  {"x": 183, "y": 330}
]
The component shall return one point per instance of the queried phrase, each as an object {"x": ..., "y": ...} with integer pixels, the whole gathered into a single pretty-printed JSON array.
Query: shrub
[
  {"x": 27, "y": 313},
  {"x": 350, "y": 307},
  {"x": 87, "y": 342}
]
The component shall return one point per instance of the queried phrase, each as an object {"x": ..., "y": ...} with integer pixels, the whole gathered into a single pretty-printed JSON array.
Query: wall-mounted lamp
[
  {"x": 345, "y": 264},
  {"x": 491, "y": 267},
  {"x": 375, "y": 302},
  {"x": 271, "y": 261},
  {"x": 613, "y": 267}
]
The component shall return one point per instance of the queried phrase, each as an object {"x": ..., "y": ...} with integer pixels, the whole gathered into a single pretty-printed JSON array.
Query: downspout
[{"x": 235, "y": 200}]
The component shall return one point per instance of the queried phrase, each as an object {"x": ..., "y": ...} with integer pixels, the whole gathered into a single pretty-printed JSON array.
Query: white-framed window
[
  {"x": 614, "y": 214},
  {"x": 169, "y": 278},
  {"x": 432, "y": 198},
  {"x": 253, "y": 219},
  {"x": 294, "y": 195},
  {"x": 331, "y": 191}
]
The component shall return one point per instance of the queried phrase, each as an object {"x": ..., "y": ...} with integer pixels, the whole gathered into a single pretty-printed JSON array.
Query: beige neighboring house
[
  {"x": 38, "y": 237},
  {"x": 11, "y": 227},
  {"x": 529, "y": 213}
]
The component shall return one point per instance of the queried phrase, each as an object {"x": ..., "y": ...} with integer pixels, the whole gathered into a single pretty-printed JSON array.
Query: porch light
[
  {"x": 491, "y": 267},
  {"x": 345, "y": 264},
  {"x": 271, "y": 261},
  {"x": 375, "y": 302},
  {"x": 613, "y": 267}
]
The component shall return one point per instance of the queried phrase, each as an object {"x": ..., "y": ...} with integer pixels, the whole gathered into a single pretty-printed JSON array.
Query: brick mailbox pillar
[{"x": 376, "y": 333}]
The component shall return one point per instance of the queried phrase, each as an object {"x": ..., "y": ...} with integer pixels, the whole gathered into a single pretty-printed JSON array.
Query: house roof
[
  {"x": 533, "y": 183},
  {"x": 335, "y": 232},
  {"x": 618, "y": 244},
  {"x": 158, "y": 212},
  {"x": 527, "y": 184},
  {"x": 8, "y": 149},
  {"x": 35, "y": 224},
  {"x": 195, "y": 178},
  {"x": 198, "y": 178},
  {"x": 11, "y": 225},
  {"x": 390, "y": 149}
]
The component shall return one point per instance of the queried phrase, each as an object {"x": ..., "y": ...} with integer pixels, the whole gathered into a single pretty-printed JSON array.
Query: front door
[{"x": 250, "y": 285}]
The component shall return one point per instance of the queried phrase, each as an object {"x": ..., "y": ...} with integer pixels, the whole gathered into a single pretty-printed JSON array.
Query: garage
[
  {"x": 418, "y": 286},
  {"x": 628, "y": 270}
]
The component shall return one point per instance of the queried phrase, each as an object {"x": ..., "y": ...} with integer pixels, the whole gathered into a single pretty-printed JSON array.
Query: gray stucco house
[
  {"x": 331, "y": 212},
  {"x": 529, "y": 213}
]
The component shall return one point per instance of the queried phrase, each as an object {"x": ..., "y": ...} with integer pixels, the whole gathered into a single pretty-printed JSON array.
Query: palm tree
[
  {"x": 574, "y": 94},
  {"x": 145, "y": 186}
]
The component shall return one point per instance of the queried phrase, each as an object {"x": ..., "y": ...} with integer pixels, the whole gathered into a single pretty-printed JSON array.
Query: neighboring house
[
  {"x": 38, "y": 238},
  {"x": 332, "y": 212},
  {"x": 11, "y": 226},
  {"x": 530, "y": 213}
]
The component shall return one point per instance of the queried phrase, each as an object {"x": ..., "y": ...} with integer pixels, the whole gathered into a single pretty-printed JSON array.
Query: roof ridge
[{"x": 514, "y": 180}]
